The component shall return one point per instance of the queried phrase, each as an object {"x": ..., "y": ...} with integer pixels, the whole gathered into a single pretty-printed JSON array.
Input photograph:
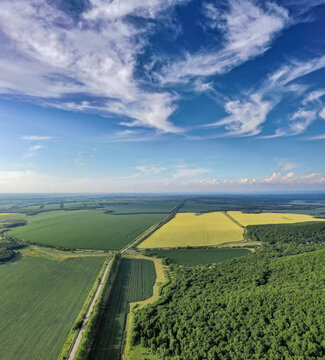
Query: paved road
[{"x": 90, "y": 310}]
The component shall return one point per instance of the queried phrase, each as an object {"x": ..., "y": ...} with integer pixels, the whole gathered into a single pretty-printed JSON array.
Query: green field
[
  {"x": 40, "y": 300},
  {"x": 134, "y": 282},
  {"x": 86, "y": 229},
  {"x": 10, "y": 216},
  {"x": 199, "y": 256}
]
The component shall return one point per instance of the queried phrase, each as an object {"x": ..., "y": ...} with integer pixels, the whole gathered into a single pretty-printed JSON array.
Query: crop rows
[
  {"x": 85, "y": 229},
  {"x": 134, "y": 282},
  {"x": 40, "y": 300}
]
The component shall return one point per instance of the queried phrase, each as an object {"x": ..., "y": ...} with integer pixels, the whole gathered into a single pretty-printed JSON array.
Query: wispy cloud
[
  {"x": 248, "y": 31},
  {"x": 250, "y": 110},
  {"x": 150, "y": 170},
  {"x": 185, "y": 171},
  {"x": 301, "y": 119},
  {"x": 246, "y": 117},
  {"x": 36, "y": 138},
  {"x": 32, "y": 150},
  {"x": 313, "y": 96},
  {"x": 285, "y": 165},
  {"x": 32, "y": 181},
  {"x": 94, "y": 55},
  {"x": 322, "y": 113}
]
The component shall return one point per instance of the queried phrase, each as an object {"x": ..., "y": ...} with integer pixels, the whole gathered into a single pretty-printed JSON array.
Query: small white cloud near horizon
[
  {"x": 28, "y": 181},
  {"x": 36, "y": 138},
  {"x": 286, "y": 165},
  {"x": 186, "y": 171},
  {"x": 150, "y": 170}
]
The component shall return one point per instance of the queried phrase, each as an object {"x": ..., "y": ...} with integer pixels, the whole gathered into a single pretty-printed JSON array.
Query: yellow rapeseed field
[
  {"x": 190, "y": 229},
  {"x": 4, "y": 214},
  {"x": 270, "y": 218}
]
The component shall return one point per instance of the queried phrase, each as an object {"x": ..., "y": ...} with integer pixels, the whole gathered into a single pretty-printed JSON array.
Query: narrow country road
[
  {"x": 102, "y": 282},
  {"x": 140, "y": 238},
  {"x": 90, "y": 310}
]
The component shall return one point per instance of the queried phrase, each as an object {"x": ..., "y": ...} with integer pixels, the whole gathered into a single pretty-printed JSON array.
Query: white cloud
[
  {"x": 246, "y": 117},
  {"x": 248, "y": 31},
  {"x": 184, "y": 171},
  {"x": 36, "y": 138},
  {"x": 286, "y": 165},
  {"x": 47, "y": 54},
  {"x": 250, "y": 111},
  {"x": 317, "y": 137},
  {"x": 150, "y": 170},
  {"x": 301, "y": 119},
  {"x": 28, "y": 181},
  {"x": 313, "y": 96},
  {"x": 278, "y": 133},
  {"x": 35, "y": 147},
  {"x": 212, "y": 14},
  {"x": 32, "y": 150},
  {"x": 299, "y": 69},
  {"x": 322, "y": 113}
]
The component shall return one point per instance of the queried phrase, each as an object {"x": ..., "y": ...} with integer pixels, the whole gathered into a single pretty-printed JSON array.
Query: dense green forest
[
  {"x": 300, "y": 233},
  {"x": 289, "y": 239},
  {"x": 268, "y": 305}
]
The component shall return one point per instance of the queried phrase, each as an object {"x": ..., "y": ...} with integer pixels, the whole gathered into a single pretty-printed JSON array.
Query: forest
[{"x": 268, "y": 305}]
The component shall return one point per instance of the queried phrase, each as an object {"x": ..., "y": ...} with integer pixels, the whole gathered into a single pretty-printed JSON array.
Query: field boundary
[
  {"x": 233, "y": 220},
  {"x": 153, "y": 228},
  {"x": 161, "y": 279},
  {"x": 70, "y": 339},
  {"x": 75, "y": 338}
]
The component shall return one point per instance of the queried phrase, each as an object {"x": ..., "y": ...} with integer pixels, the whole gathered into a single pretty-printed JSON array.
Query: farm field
[
  {"x": 85, "y": 229},
  {"x": 10, "y": 216},
  {"x": 134, "y": 282},
  {"x": 270, "y": 218},
  {"x": 40, "y": 300},
  {"x": 141, "y": 207},
  {"x": 189, "y": 229},
  {"x": 199, "y": 256}
]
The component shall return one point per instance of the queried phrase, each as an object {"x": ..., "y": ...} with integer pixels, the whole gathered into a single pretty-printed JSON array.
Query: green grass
[
  {"x": 199, "y": 256},
  {"x": 9, "y": 216},
  {"x": 134, "y": 282},
  {"x": 40, "y": 300},
  {"x": 85, "y": 229}
]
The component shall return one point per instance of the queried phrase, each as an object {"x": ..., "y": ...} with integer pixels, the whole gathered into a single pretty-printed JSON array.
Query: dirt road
[{"x": 90, "y": 310}]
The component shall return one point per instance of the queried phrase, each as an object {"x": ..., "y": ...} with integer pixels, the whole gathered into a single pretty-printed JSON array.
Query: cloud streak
[
  {"x": 36, "y": 138},
  {"x": 247, "y": 30}
]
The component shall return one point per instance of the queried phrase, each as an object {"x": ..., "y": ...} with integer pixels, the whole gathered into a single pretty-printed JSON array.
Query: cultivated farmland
[
  {"x": 134, "y": 282},
  {"x": 85, "y": 229},
  {"x": 200, "y": 256},
  {"x": 270, "y": 218},
  {"x": 189, "y": 229},
  {"x": 40, "y": 300}
]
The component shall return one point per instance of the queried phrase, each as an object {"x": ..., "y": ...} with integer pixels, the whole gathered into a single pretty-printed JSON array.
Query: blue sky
[{"x": 162, "y": 95}]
